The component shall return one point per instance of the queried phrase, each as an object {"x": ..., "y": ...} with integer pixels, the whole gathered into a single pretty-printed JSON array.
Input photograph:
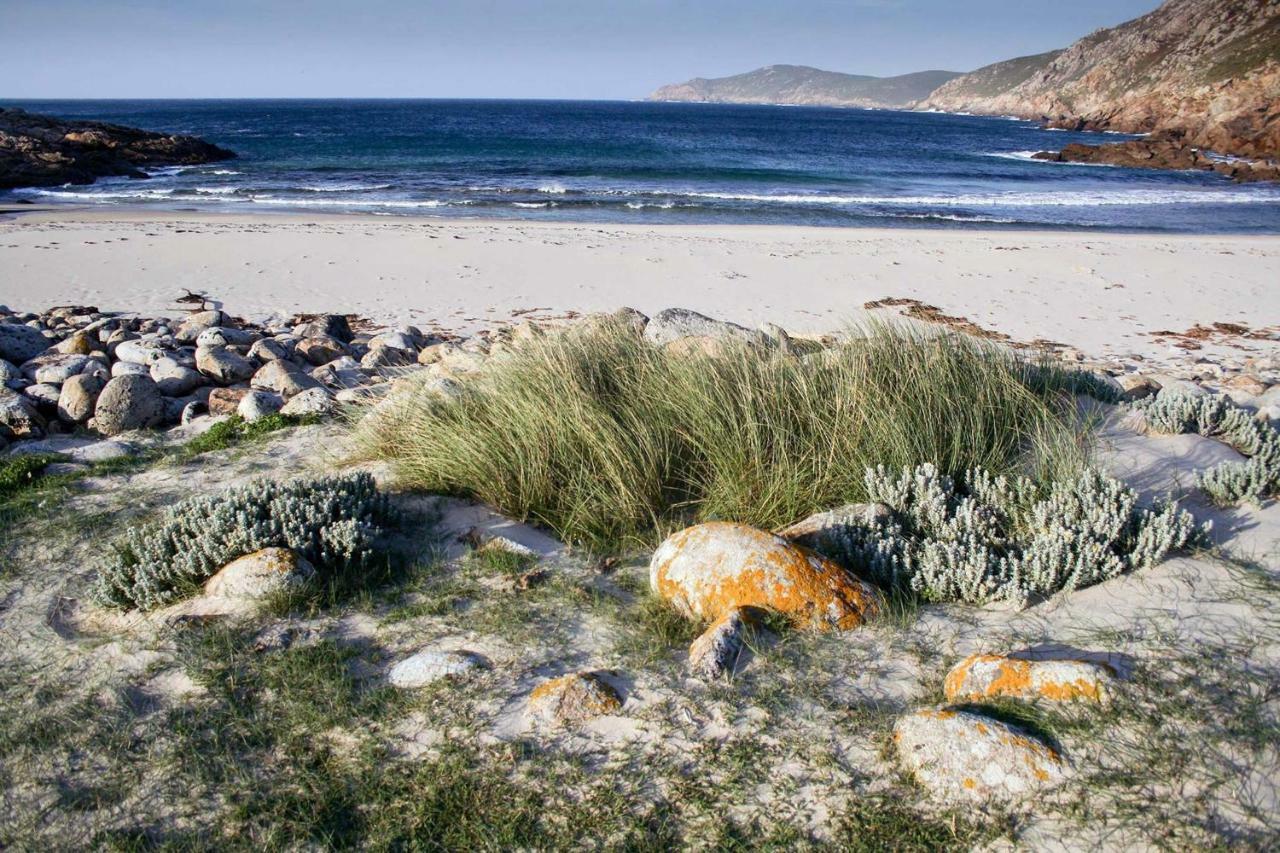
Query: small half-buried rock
[
  {"x": 707, "y": 570},
  {"x": 966, "y": 758},
  {"x": 980, "y": 677},
  {"x": 430, "y": 666},
  {"x": 573, "y": 698},
  {"x": 260, "y": 574},
  {"x": 715, "y": 653}
]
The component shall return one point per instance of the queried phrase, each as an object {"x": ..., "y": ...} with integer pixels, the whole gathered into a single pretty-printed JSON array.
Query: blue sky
[{"x": 500, "y": 48}]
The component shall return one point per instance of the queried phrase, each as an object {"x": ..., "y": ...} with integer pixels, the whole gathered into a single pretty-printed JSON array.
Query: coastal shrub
[
  {"x": 607, "y": 439},
  {"x": 331, "y": 521},
  {"x": 981, "y": 537},
  {"x": 1216, "y": 416}
]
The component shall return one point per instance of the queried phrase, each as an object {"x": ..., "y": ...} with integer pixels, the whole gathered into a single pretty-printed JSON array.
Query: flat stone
[
  {"x": 980, "y": 677},
  {"x": 573, "y": 698},
  {"x": 430, "y": 666},
  {"x": 965, "y": 758},
  {"x": 676, "y": 323}
]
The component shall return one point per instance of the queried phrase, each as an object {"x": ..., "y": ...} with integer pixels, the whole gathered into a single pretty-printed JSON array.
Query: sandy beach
[{"x": 1103, "y": 293}]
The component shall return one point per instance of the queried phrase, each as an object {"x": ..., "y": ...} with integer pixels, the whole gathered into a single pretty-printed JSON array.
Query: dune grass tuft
[{"x": 611, "y": 441}]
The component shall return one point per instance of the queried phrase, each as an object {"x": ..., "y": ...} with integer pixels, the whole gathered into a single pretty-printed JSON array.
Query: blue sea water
[{"x": 649, "y": 162}]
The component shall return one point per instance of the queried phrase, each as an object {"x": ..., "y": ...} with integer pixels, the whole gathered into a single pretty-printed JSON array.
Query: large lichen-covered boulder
[
  {"x": 965, "y": 758},
  {"x": 128, "y": 402},
  {"x": 980, "y": 677},
  {"x": 707, "y": 570},
  {"x": 223, "y": 365},
  {"x": 573, "y": 698}
]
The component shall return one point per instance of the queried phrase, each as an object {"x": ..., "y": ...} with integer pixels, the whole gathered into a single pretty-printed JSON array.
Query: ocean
[{"x": 642, "y": 162}]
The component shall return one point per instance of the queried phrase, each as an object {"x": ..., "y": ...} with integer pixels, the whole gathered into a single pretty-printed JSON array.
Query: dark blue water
[{"x": 641, "y": 162}]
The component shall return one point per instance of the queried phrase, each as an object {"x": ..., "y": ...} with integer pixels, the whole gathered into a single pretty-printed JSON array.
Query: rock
[
  {"x": 388, "y": 356},
  {"x": 270, "y": 349},
  {"x": 429, "y": 666},
  {"x": 193, "y": 324},
  {"x": 256, "y": 405},
  {"x": 44, "y": 395},
  {"x": 79, "y": 343},
  {"x": 129, "y": 368},
  {"x": 716, "y": 652},
  {"x": 332, "y": 325},
  {"x": 225, "y": 401},
  {"x": 223, "y": 365},
  {"x": 707, "y": 570},
  {"x": 260, "y": 574},
  {"x": 573, "y": 698},
  {"x": 321, "y": 349},
  {"x": 78, "y": 397},
  {"x": 19, "y": 417},
  {"x": 676, "y": 323},
  {"x": 283, "y": 377},
  {"x": 191, "y": 411},
  {"x": 1134, "y": 386},
  {"x": 1247, "y": 383},
  {"x": 19, "y": 343},
  {"x": 128, "y": 402},
  {"x": 314, "y": 402},
  {"x": 341, "y": 373},
  {"x": 140, "y": 351},
  {"x": 101, "y": 451},
  {"x": 831, "y": 533},
  {"x": 224, "y": 336},
  {"x": 980, "y": 677},
  {"x": 175, "y": 379},
  {"x": 966, "y": 758},
  {"x": 10, "y": 376}
]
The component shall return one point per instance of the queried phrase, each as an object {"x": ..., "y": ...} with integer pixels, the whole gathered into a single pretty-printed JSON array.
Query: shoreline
[{"x": 1101, "y": 293}]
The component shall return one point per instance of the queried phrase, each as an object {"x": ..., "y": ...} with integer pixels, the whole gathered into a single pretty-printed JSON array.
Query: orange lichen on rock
[
  {"x": 708, "y": 570},
  {"x": 980, "y": 677},
  {"x": 573, "y": 698}
]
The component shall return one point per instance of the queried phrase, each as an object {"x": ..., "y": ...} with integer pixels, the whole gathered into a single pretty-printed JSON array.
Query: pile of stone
[{"x": 75, "y": 367}]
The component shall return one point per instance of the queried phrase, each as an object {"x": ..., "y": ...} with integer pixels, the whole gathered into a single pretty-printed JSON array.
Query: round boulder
[
  {"x": 260, "y": 574},
  {"x": 428, "y": 666},
  {"x": 707, "y": 570},
  {"x": 128, "y": 402},
  {"x": 78, "y": 397},
  {"x": 20, "y": 343}
]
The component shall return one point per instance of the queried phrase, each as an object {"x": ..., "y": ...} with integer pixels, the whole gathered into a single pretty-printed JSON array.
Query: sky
[{"x": 578, "y": 49}]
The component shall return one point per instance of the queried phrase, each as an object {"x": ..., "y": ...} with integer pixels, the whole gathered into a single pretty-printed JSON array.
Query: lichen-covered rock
[
  {"x": 19, "y": 416},
  {"x": 834, "y": 533},
  {"x": 78, "y": 397},
  {"x": 430, "y": 666},
  {"x": 259, "y": 574},
  {"x": 128, "y": 402},
  {"x": 321, "y": 349},
  {"x": 193, "y": 324},
  {"x": 20, "y": 343},
  {"x": 676, "y": 323},
  {"x": 966, "y": 758},
  {"x": 175, "y": 379},
  {"x": 225, "y": 336},
  {"x": 716, "y": 651},
  {"x": 980, "y": 677},
  {"x": 256, "y": 405},
  {"x": 573, "y": 698},
  {"x": 314, "y": 402},
  {"x": 270, "y": 349},
  {"x": 225, "y": 401},
  {"x": 55, "y": 368},
  {"x": 283, "y": 377},
  {"x": 140, "y": 351},
  {"x": 78, "y": 343},
  {"x": 707, "y": 570},
  {"x": 223, "y": 365},
  {"x": 10, "y": 376}
]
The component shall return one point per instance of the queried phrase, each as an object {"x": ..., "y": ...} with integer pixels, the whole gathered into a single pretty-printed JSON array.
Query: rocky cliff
[
  {"x": 1203, "y": 71},
  {"x": 37, "y": 150},
  {"x": 799, "y": 84}
]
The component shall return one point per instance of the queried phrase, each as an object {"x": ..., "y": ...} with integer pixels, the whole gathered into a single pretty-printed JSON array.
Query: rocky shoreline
[
  {"x": 1163, "y": 151},
  {"x": 41, "y": 151}
]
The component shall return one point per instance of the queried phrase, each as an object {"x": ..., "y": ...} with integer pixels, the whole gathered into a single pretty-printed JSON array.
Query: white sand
[{"x": 1101, "y": 293}]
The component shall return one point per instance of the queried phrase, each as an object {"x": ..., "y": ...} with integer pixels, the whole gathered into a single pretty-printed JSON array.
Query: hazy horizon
[{"x": 500, "y": 49}]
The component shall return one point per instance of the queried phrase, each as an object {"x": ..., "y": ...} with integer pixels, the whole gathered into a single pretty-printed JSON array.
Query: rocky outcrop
[
  {"x": 41, "y": 151},
  {"x": 799, "y": 84},
  {"x": 1204, "y": 70},
  {"x": 1163, "y": 151}
]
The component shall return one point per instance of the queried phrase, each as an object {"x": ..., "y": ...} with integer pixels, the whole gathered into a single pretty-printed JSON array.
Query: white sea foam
[
  {"x": 223, "y": 172},
  {"x": 530, "y": 205},
  {"x": 1029, "y": 156},
  {"x": 337, "y": 202},
  {"x": 1099, "y": 198},
  {"x": 555, "y": 188},
  {"x": 343, "y": 188}
]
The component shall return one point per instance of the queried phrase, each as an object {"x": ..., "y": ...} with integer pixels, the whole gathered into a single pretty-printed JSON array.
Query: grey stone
[
  {"x": 429, "y": 666},
  {"x": 20, "y": 416},
  {"x": 129, "y": 368},
  {"x": 321, "y": 349},
  {"x": 55, "y": 368},
  {"x": 676, "y": 323},
  {"x": 140, "y": 351},
  {"x": 129, "y": 402},
  {"x": 174, "y": 378},
  {"x": 193, "y": 324},
  {"x": 315, "y": 402},
  {"x": 223, "y": 336},
  {"x": 10, "y": 376},
  {"x": 282, "y": 377},
  {"x": 271, "y": 349},
  {"x": 78, "y": 397},
  {"x": 44, "y": 395},
  {"x": 259, "y": 574},
  {"x": 257, "y": 405},
  {"x": 223, "y": 365},
  {"x": 20, "y": 343}
]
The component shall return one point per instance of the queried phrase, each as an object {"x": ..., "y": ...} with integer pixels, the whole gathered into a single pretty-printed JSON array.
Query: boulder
[
  {"x": 225, "y": 401},
  {"x": 223, "y": 365},
  {"x": 965, "y": 758},
  {"x": 224, "y": 336},
  {"x": 78, "y": 343},
  {"x": 429, "y": 666},
  {"x": 174, "y": 378},
  {"x": 260, "y": 574},
  {"x": 676, "y": 323},
  {"x": 384, "y": 355},
  {"x": 271, "y": 349},
  {"x": 980, "y": 677},
  {"x": 314, "y": 402},
  {"x": 19, "y": 417},
  {"x": 573, "y": 698},
  {"x": 140, "y": 351},
  {"x": 19, "y": 343},
  {"x": 1134, "y": 386},
  {"x": 834, "y": 533},
  {"x": 78, "y": 397},
  {"x": 256, "y": 405},
  {"x": 128, "y": 402},
  {"x": 193, "y": 324},
  {"x": 321, "y": 349},
  {"x": 55, "y": 368},
  {"x": 709, "y": 569},
  {"x": 10, "y": 376},
  {"x": 341, "y": 373},
  {"x": 129, "y": 368},
  {"x": 283, "y": 377},
  {"x": 44, "y": 395},
  {"x": 332, "y": 325}
]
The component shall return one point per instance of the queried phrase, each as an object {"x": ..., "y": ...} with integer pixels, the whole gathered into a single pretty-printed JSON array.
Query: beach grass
[{"x": 612, "y": 442}]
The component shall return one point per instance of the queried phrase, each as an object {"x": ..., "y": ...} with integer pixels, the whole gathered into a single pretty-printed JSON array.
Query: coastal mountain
[
  {"x": 1203, "y": 72},
  {"x": 800, "y": 84},
  {"x": 42, "y": 151}
]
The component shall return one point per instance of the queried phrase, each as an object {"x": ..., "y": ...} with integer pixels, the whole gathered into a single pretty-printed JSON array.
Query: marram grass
[{"x": 608, "y": 440}]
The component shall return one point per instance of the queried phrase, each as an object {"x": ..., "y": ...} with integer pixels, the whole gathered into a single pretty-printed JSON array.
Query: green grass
[
  {"x": 18, "y": 473},
  {"x": 612, "y": 442}
]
